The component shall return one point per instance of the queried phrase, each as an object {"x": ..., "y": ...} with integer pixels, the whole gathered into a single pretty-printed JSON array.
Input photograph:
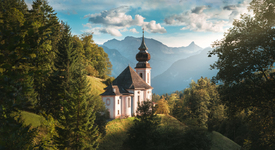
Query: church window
[
  {"x": 140, "y": 75},
  {"x": 118, "y": 112},
  {"x": 118, "y": 101},
  {"x": 147, "y": 77},
  {"x": 138, "y": 99},
  {"x": 129, "y": 102},
  {"x": 107, "y": 101}
]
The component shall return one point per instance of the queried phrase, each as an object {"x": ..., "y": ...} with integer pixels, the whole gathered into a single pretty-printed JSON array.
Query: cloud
[
  {"x": 112, "y": 31},
  {"x": 230, "y": 7},
  {"x": 116, "y": 20},
  {"x": 153, "y": 27},
  {"x": 196, "y": 21},
  {"x": 198, "y": 10},
  {"x": 134, "y": 30}
]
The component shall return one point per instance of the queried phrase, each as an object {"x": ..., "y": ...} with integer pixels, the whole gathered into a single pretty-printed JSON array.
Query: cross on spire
[{"x": 143, "y": 46}]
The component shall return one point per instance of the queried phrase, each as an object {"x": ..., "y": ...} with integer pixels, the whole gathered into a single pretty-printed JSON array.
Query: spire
[{"x": 143, "y": 46}]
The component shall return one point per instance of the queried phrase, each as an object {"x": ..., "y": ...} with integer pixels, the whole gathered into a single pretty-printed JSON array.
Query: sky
[{"x": 175, "y": 23}]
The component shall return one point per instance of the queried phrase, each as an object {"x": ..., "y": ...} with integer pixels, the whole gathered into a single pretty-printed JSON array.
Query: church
[{"x": 130, "y": 88}]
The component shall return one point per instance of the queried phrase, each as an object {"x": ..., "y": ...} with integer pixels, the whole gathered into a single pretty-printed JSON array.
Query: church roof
[{"x": 128, "y": 79}]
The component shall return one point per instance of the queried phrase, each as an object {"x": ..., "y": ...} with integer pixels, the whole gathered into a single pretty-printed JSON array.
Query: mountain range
[
  {"x": 162, "y": 56},
  {"x": 173, "y": 68}
]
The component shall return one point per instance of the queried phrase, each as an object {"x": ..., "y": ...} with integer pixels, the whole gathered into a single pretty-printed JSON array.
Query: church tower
[{"x": 143, "y": 68}]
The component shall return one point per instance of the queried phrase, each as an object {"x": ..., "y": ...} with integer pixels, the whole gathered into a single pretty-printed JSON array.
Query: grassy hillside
[
  {"x": 116, "y": 134},
  {"x": 31, "y": 118},
  {"x": 220, "y": 142},
  {"x": 116, "y": 131}
]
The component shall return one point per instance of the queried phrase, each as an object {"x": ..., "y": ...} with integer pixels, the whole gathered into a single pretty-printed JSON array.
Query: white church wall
[
  {"x": 117, "y": 105},
  {"x": 109, "y": 104},
  {"x": 128, "y": 106}
]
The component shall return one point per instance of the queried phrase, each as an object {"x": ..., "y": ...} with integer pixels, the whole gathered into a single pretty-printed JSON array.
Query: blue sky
[{"x": 173, "y": 22}]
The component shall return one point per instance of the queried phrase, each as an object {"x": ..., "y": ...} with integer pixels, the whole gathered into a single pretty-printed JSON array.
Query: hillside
[
  {"x": 116, "y": 134},
  {"x": 97, "y": 87}
]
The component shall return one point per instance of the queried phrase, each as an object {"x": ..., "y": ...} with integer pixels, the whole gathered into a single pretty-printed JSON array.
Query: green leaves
[{"x": 245, "y": 64}]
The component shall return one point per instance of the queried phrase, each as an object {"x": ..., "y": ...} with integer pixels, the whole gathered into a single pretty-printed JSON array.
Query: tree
[
  {"x": 143, "y": 134},
  {"x": 62, "y": 73},
  {"x": 200, "y": 105},
  {"x": 46, "y": 31},
  {"x": 97, "y": 60},
  {"x": 77, "y": 130},
  {"x": 15, "y": 84},
  {"x": 246, "y": 62},
  {"x": 162, "y": 107}
]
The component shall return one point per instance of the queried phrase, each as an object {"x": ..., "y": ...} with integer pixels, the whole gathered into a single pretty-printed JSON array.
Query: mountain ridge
[{"x": 162, "y": 56}]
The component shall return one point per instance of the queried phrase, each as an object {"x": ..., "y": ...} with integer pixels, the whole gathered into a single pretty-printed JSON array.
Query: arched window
[
  {"x": 140, "y": 75},
  {"x": 147, "y": 77}
]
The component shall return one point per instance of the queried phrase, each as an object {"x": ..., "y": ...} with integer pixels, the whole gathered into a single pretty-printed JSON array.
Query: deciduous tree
[{"x": 246, "y": 62}]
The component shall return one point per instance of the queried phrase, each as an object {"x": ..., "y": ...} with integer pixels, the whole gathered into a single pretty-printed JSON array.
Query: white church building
[{"x": 130, "y": 87}]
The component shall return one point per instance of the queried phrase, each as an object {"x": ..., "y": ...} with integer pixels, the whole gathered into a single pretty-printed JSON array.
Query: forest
[{"x": 45, "y": 72}]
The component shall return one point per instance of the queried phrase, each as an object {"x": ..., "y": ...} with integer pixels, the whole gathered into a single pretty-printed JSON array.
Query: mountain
[
  {"x": 180, "y": 74},
  {"x": 162, "y": 56},
  {"x": 118, "y": 61}
]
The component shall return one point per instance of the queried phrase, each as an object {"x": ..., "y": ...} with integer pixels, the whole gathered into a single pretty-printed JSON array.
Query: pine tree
[
  {"x": 62, "y": 73},
  {"x": 15, "y": 83},
  {"x": 45, "y": 28},
  {"x": 77, "y": 117}
]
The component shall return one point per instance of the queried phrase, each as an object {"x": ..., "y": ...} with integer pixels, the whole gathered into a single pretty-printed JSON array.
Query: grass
[
  {"x": 116, "y": 133},
  {"x": 220, "y": 142},
  {"x": 31, "y": 118}
]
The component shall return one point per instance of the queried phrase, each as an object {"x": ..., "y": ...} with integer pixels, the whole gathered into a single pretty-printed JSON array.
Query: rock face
[
  {"x": 162, "y": 56},
  {"x": 180, "y": 74}
]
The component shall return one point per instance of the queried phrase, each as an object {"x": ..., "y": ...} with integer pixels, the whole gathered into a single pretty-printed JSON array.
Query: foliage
[
  {"x": 109, "y": 81},
  {"x": 143, "y": 133},
  {"x": 98, "y": 63},
  {"x": 200, "y": 105},
  {"x": 246, "y": 62},
  {"x": 162, "y": 107},
  {"x": 46, "y": 131}
]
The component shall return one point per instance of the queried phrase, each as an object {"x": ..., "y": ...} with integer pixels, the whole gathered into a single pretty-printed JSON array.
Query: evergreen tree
[
  {"x": 15, "y": 84},
  {"x": 62, "y": 73},
  {"x": 143, "y": 134},
  {"x": 77, "y": 129},
  {"x": 46, "y": 29}
]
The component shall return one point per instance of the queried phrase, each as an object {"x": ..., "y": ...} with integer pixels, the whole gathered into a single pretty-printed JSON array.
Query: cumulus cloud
[
  {"x": 196, "y": 22},
  {"x": 153, "y": 27},
  {"x": 134, "y": 30},
  {"x": 116, "y": 20}
]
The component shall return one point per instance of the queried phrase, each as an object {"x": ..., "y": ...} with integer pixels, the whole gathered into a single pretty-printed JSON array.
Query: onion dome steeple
[
  {"x": 143, "y": 45},
  {"x": 143, "y": 56}
]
